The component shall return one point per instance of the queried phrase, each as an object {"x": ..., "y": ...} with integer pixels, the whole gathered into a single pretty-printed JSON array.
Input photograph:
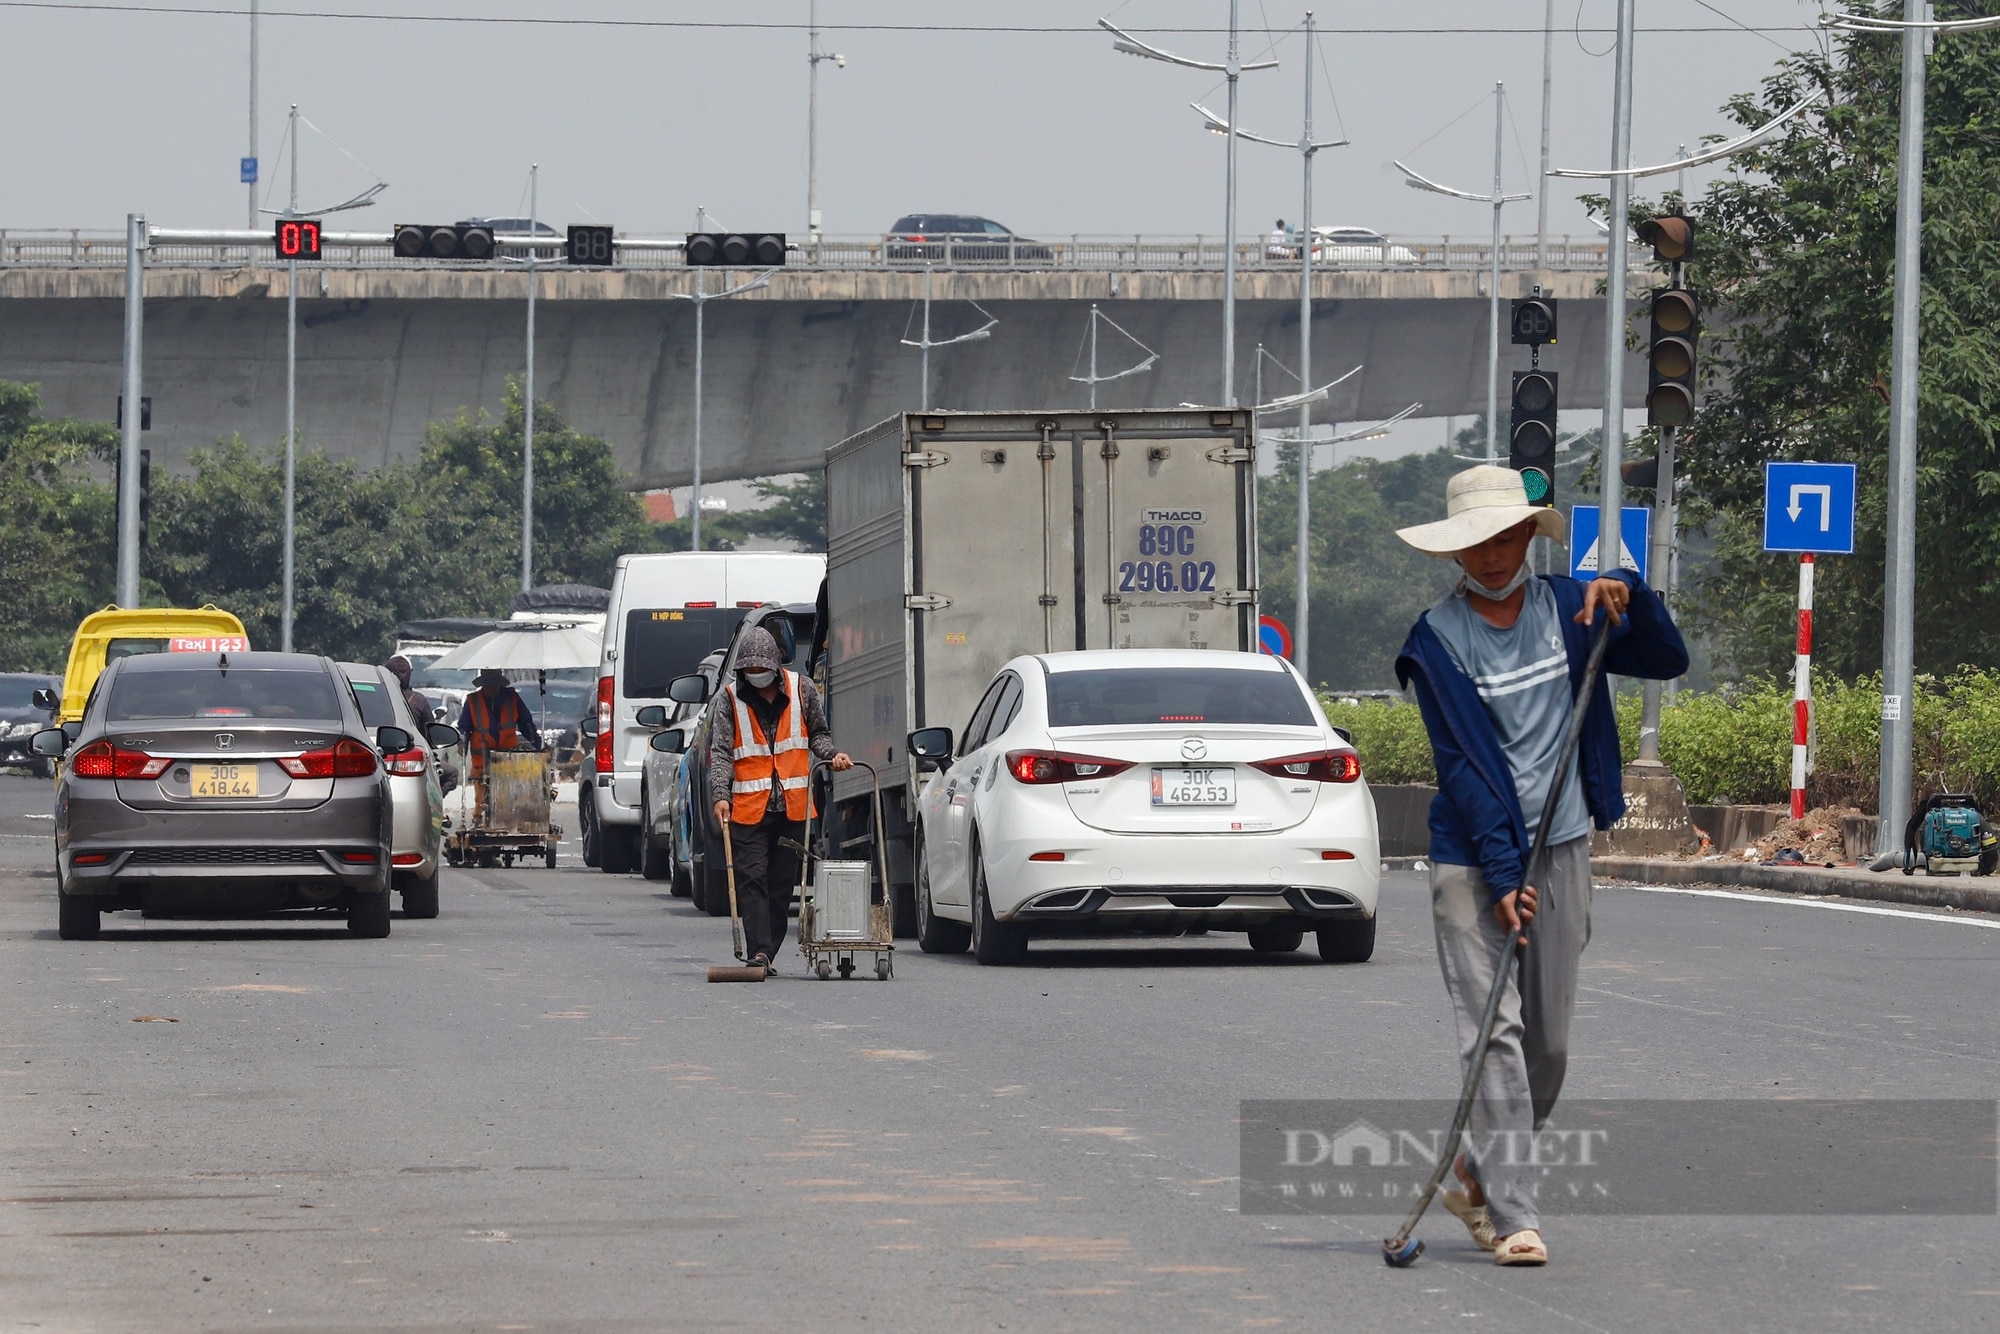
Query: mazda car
[
  {"x": 1149, "y": 792},
  {"x": 219, "y": 784}
]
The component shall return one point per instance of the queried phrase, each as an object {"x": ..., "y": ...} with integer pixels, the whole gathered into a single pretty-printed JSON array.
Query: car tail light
[
  {"x": 1336, "y": 855},
  {"x": 405, "y": 762},
  {"x": 694, "y": 606},
  {"x": 1045, "y": 856},
  {"x": 101, "y": 759},
  {"x": 1048, "y": 766},
  {"x": 359, "y": 858},
  {"x": 1325, "y": 766},
  {"x": 344, "y": 759},
  {"x": 606, "y": 747},
  {"x": 407, "y": 859},
  {"x": 91, "y": 858}
]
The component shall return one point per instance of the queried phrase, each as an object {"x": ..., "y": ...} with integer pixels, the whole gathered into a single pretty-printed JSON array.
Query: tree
[
  {"x": 1795, "y": 249},
  {"x": 58, "y": 526}
]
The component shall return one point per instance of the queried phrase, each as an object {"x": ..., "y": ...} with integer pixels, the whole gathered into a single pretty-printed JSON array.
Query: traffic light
[
  {"x": 1534, "y": 321},
  {"x": 589, "y": 245},
  {"x": 460, "y": 241},
  {"x": 735, "y": 250},
  {"x": 296, "y": 238},
  {"x": 1672, "y": 238},
  {"x": 1670, "y": 359},
  {"x": 145, "y": 492},
  {"x": 1531, "y": 435}
]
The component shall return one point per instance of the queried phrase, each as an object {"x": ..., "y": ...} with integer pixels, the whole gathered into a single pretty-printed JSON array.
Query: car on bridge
[
  {"x": 937, "y": 238},
  {"x": 1357, "y": 245}
]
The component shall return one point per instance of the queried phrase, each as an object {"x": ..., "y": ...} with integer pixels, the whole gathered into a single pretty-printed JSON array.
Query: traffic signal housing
[
  {"x": 1671, "y": 237},
  {"x": 1670, "y": 361},
  {"x": 735, "y": 250},
  {"x": 589, "y": 245},
  {"x": 296, "y": 238},
  {"x": 1534, "y": 320},
  {"x": 1531, "y": 434},
  {"x": 469, "y": 241}
]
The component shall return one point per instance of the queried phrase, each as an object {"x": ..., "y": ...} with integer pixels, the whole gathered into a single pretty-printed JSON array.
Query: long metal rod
[
  {"x": 528, "y": 396},
  {"x": 291, "y": 401},
  {"x": 132, "y": 411},
  {"x": 1611, "y": 495},
  {"x": 1302, "y": 611},
  {"x": 1229, "y": 228},
  {"x": 924, "y": 395},
  {"x": 1542, "y": 180},
  {"x": 694, "y": 496},
  {"x": 251, "y": 186},
  {"x": 1659, "y": 561},
  {"x": 1900, "y": 581},
  {"x": 1493, "y": 286}
]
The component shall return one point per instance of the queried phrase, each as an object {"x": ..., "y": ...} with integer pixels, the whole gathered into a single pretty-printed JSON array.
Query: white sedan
[{"x": 1147, "y": 791}]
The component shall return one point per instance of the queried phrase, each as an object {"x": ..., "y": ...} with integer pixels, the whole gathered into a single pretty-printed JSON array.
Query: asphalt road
[{"x": 532, "y": 1113}]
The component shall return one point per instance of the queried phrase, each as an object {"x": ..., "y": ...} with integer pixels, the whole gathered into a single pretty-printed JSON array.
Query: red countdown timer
[{"x": 298, "y": 238}]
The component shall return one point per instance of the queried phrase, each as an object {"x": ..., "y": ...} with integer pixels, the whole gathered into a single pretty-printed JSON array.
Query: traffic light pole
[
  {"x": 1659, "y": 561},
  {"x": 1611, "y": 497},
  {"x": 291, "y": 400},
  {"x": 528, "y": 406},
  {"x": 132, "y": 410}
]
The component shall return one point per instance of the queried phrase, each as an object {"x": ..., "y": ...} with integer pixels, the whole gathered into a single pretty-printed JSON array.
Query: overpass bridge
[{"x": 387, "y": 346}]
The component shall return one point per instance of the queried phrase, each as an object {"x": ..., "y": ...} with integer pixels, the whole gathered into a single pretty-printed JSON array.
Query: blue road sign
[
  {"x": 246, "y": 170},
  {"x": 1809, "y": 507},
  {"x": 1636, "y": 528}
]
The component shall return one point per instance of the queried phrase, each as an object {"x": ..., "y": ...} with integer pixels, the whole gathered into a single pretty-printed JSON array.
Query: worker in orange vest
[
  {"x": 769, "y": 726},
  {"x": 494, "y": 718}
]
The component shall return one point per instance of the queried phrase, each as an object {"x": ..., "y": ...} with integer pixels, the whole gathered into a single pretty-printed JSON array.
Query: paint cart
[
  {"x": 509, "y": 815},
  {"x": 843, "y": 905}
]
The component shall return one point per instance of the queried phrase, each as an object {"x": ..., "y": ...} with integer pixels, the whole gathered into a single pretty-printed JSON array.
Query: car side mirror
[
  {"x": 443, "y": 736},
  {"x": 73, "y": 729},
  {"x": 49, "y": 741},
  {"x": 653, "y": 715},
  {"x": 587, "y": 725},
  {"x": 691, "y": 689},
  {"x": 931, "y": 747},
  {"x": 670, "y": 742},
  {"x": 392, "y": 740},
  {"x": 46, "y": 699},
  {"x": 1344, "y": 735}
]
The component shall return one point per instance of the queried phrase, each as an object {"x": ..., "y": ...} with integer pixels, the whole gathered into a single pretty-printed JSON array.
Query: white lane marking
[{"x": 1816, "y": 903}]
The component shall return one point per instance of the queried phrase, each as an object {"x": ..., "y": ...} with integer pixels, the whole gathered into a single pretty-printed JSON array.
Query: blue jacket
[{"x": 1476, "y": 817}]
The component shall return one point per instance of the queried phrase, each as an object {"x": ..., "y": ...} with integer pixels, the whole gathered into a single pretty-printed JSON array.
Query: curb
[{"x": 1887, "y": 887}]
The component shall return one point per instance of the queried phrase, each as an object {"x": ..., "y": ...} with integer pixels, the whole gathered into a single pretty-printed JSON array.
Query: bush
[{"x": 1389, "y": 736}]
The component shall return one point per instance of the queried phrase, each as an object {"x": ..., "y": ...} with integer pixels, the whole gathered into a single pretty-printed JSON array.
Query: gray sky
[{"x": 1053, "y": 133}]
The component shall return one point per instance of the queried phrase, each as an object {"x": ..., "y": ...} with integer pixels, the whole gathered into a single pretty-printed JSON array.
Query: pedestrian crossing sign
[{"x": 1635, "y": 530}]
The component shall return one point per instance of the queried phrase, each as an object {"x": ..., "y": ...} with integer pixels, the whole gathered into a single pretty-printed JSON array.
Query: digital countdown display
[{"x": 298, "y": 238}]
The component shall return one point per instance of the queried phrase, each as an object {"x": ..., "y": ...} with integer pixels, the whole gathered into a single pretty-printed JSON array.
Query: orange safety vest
[
  {"x": 759, "y": 761},
  {"x": 483, "y": 722}
]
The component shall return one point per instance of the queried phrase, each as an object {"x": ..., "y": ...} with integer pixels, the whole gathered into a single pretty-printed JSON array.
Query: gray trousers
[{"x": 1530, "y": 1049}]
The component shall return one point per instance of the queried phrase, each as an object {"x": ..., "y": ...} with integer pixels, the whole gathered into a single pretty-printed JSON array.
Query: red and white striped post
[{"x": 1802, "y": 689}]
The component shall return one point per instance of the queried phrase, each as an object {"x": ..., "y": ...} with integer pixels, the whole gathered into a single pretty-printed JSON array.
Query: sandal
[
  {"x": 1522, "y": 1248},
  {"x": 1475, "y": 1217}
]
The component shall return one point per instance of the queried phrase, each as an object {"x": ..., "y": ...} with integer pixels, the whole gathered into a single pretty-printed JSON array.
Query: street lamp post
[
  {"x": 925, "y": 344},
  {"x": 291, "y": 398},
  {"x": 1094, "y": 379},
  {"x": 132, "y": 410},
  {"x": 813, "y": 58},
  {"x": 1498, "y": 199},
  {"x": 1611, "y": 448},
  {"x": 1231, "y": 70},
  {"x": 1306, "y": 147},
  {"x": 528, "y": 406},
  {"x": 250, "y": 186}
]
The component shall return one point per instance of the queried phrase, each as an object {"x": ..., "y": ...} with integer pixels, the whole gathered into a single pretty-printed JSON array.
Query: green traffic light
[{"x": 1536, "y": 483}]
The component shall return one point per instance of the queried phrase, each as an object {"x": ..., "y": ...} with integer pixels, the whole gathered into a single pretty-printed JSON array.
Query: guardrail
[{"x": 78, "y": 248}]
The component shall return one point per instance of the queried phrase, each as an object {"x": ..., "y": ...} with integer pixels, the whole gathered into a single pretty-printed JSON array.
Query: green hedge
[{"x": 1735, "y": 744}]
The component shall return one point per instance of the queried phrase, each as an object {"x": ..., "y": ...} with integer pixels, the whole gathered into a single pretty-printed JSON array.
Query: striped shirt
[{"x": 1522, "y": 676}]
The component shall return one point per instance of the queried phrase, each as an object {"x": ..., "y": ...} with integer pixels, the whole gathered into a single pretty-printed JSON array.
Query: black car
[
  {"x": 939, "y": 238},
  {"x": 21, "y": 718}
]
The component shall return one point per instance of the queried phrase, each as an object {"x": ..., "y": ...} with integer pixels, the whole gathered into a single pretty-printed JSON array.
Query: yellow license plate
[{"x": 224, "y": 780}]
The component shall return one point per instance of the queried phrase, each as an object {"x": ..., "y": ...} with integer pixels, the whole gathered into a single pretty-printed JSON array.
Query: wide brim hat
[
  {"x": 490, "y": 675},
  {"x": 1481, "y": 503}
]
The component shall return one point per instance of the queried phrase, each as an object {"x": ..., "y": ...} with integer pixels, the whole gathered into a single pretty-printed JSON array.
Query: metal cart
[
  {"x": 843, "y": 909},
  {"x": 510, "y": 820}
]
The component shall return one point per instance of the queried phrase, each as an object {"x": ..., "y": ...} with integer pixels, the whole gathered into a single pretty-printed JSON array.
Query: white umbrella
[{"x": 528, "y": 648}]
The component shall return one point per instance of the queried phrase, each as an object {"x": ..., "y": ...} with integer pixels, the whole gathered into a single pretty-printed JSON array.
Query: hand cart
[
  {"x": 841, "y": 914},
  {"x": 509, "y": 819}
]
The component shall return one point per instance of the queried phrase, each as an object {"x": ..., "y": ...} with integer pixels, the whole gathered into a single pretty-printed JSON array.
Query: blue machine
[{"x": 1950, "y": 837}]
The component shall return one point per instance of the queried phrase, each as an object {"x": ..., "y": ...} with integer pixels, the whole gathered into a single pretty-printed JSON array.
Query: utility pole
[
  {"x": 813, "y": 58},
  {"x": 1542, "y": 181},
  {"x": 291, "y": 398},
  {"x": 132, "y": 410},
  {"x": 528, "y": 412},
  {"x": 251, "y": 185},
  {"x": 1611, "y": 495}
]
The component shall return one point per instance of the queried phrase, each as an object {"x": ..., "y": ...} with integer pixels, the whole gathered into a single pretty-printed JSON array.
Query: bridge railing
[{"x": 80, "y": 248}]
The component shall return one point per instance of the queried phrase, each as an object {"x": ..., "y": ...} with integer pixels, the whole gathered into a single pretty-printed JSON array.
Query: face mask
[
  {"x": 1467, "y": 584},
  {"x": 760, "y": 679}
]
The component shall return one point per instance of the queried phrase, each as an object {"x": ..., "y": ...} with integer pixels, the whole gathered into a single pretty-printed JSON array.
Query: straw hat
[
  {"x": 490, "y": 676},
  {"x": 1481, "y": 503}
]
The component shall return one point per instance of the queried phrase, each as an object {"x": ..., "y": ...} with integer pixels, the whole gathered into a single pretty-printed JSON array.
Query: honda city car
[
  {"x": 415, "y": 786},
  {"x": 1148, "y": 791},
  {"x": 215, "y": 784}
]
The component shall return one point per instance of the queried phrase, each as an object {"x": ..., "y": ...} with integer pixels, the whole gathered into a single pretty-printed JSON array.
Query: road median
[{"x": 1850, "y": 882}]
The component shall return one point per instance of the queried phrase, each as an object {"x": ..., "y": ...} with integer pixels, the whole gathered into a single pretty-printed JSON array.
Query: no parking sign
[{"x": 1274, "y": 637}]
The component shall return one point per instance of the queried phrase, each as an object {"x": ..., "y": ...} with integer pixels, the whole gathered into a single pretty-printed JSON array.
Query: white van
[{"x": 668, "y": 611}]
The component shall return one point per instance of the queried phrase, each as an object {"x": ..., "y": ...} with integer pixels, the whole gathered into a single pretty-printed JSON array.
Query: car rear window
[
  {"x": 209, "y": 692},
  {"x": 663, "y": 643},
  {"x": 378, "y": 706},
  {"x": 1134, "y": 696}
]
